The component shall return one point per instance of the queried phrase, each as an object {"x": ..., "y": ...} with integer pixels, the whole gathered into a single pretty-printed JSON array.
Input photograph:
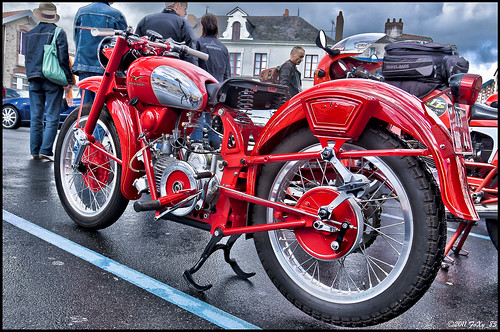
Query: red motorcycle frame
[{"x": 324, "y": 177}]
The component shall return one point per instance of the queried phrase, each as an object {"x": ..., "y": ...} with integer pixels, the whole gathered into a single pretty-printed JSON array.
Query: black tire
[
  {"x": 10, "y": 117},
  {"x": 492, "y": 227},
  {"x": 90, "y": 194},
  {"x": 344, "y": 290}
]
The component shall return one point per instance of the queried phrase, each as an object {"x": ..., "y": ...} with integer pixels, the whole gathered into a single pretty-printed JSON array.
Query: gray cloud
[{"x": 472, "y": 27}]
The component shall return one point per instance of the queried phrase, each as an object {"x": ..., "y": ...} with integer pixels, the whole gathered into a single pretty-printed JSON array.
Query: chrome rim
[
  {"x": 88, "y": 193},
  {"x": 9, "y": 117},
  {"x": 388, "y": 231}
]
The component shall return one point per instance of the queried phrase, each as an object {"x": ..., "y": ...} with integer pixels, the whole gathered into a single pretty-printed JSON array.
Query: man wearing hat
[{"x": 42, "y": 91}]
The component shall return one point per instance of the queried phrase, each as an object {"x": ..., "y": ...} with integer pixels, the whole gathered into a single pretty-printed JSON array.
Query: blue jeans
[
  {"x": 197, "y": 134},
  {"x": 89, "y": 95},
  {"x": 44, "y": 92}
]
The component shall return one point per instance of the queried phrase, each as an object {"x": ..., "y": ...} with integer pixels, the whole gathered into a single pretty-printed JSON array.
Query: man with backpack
[{"x": 288, "y": 73}]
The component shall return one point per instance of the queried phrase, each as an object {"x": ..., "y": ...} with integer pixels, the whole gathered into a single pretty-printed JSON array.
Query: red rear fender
[{"x": 343, "y": 108}]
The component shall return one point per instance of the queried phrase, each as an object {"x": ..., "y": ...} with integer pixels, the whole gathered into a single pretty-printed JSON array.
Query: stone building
[{"x": 14, "y": 27}]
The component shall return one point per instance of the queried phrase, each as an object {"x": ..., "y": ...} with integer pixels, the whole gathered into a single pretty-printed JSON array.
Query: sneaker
[{"x": 42, "y": 156}]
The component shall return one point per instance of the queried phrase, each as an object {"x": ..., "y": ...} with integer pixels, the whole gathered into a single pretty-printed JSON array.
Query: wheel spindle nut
[{"x": 323, "y": 213}]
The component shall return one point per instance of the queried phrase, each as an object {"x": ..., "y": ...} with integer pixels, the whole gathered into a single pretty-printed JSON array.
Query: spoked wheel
[
  {"x": 90, "y": 191},
  {"x": 386, "y": 260}
]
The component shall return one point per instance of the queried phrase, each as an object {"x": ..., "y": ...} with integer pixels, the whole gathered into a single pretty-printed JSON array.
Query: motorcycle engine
[{"x": 198, "y": 172}]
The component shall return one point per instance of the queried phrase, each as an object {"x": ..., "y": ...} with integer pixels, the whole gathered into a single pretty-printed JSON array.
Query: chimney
[
  {"x": 394, "y": 29},
  {"x": 339, "y": 30},
  {"x": 286, "y": 14}
]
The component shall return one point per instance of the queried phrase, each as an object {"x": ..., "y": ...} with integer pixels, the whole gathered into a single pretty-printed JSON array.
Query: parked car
[{"x": 16, "y": 108}]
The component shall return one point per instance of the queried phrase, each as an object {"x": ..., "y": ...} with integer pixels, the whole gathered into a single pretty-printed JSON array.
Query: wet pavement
[{"x": 46, "y": 287}]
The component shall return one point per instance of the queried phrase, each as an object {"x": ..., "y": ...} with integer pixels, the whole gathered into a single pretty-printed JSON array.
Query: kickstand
[{"x": 211, "y": 247}]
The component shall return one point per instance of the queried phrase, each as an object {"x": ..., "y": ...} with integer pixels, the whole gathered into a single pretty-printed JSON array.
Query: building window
[
  {"x": 260, "y": 63},
  {"x": 236, "y": 31},
  {"x": 20, "y": 82},
  {"x": 311, "y": 62},
  {"x": 235, "y": 59},
  {"x": 22, "y": 43}
]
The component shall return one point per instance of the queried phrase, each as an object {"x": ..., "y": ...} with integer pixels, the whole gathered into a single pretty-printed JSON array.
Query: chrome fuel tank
[{"x": 171, "y": 82}]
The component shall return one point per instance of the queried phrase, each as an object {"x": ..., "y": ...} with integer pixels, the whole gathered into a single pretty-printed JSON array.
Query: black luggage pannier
[{"x": 421, "y": 68}]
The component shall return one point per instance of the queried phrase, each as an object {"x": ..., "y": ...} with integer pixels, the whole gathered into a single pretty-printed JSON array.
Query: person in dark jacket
[
  {"x": 170, "y": 23},
  {"x": 289, "y": 75},
  {"x": 218, "y": 65},
  {"x": 98, "y": 14},
  {"x": 41, "y": 90}
]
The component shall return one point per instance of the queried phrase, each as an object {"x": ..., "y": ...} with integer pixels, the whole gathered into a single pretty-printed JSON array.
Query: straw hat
[{"x": 46, "y": 12}]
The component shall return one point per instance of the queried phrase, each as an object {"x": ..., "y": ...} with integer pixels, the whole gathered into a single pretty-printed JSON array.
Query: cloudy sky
[{"x": 473, "y": 27}]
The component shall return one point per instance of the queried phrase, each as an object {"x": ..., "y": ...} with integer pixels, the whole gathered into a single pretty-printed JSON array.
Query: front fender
[
  {"x": 343, "y": 108},
  {"x": 127, "y": 128},
  {"x": 91, "y": 83}
]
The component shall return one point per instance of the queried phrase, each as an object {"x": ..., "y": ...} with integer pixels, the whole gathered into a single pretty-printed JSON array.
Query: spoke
[
  {"x": 293, "y": 241},
  {"x": 313, "y": 176},
  {"x": 307, "y": 260},
  {"x": 371, "y": 262}
]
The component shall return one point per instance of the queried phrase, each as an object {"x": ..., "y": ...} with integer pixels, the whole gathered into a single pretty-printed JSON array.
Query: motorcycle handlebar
[
  {"x": 106, "y": 32},
  {"x": 193, "y": 52}
]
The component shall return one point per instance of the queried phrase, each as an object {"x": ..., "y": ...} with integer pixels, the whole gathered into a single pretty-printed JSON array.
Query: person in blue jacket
[
  {"x": 42, "y": 91},
  {"x": 98, "y": 14}
]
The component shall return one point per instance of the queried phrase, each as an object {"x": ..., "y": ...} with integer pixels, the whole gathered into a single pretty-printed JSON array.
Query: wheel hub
[
  {"x": 97, "y": 168},
  {"x": 318, "y": 242}
]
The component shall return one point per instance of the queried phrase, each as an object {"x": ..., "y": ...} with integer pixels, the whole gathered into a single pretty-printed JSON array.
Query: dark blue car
[{"x": 16, "y": 108}]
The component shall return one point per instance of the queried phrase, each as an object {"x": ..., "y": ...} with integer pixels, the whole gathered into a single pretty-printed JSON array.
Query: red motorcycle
[
  {"x": 348, "y": 222},
  {"x": 480, "y": 153}
]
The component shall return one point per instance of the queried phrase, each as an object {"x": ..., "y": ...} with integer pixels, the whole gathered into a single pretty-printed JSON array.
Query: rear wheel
[
  {"x": 384, "y": 265},
  {"x": 90, "y": 192}
]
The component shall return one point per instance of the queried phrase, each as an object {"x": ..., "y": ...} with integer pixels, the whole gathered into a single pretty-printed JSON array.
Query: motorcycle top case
[{"x": 430, "y": 63}]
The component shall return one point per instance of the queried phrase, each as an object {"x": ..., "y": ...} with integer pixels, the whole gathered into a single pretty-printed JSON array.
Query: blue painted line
[
  {"x": 472, "y": 234},
  {"x": 172, "y": 295}
]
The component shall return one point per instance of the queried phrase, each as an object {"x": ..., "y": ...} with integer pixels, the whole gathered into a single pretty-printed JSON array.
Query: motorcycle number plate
[{"x": 459, "y": 128}]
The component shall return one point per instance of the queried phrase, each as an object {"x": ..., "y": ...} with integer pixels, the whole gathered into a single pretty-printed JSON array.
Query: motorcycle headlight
[{"x": 105, "y": 50}]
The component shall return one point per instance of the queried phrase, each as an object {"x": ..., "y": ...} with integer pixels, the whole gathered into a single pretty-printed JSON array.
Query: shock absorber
[{"x": 245, "y": 99}]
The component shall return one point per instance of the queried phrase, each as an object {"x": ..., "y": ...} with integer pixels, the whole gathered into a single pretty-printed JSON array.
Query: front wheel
[
  {"x": 384, "y": 264},
  {"x": 90, "y": 191}
]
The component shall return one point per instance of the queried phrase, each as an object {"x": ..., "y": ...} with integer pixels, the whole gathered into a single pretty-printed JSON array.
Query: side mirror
[
  {"x": 322, "y": 43},
  {"x": 321, "y": 39}
]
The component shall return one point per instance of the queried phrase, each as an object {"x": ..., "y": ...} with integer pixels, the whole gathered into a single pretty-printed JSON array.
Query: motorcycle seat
[
  {"x": 241, "y": 93},
  {"x": 483, "y": 112}
]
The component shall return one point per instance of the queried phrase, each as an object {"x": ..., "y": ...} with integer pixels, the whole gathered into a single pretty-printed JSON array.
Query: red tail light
[{"x": 465, "y": 88}]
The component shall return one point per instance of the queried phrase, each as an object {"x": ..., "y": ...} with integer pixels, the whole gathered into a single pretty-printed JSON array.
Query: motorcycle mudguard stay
[
  {"x": 341, "y": 109},
  {"x": 127, "y": 128}
]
